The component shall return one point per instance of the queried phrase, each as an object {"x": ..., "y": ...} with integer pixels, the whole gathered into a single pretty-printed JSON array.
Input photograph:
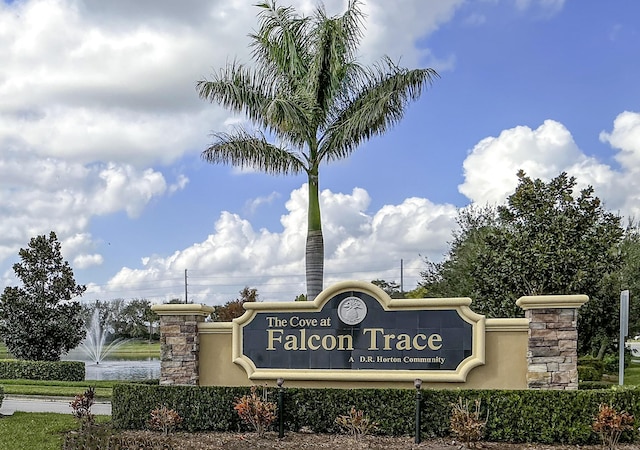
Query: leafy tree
[
  {"x": 453, "y": 277},
  {"x": 629, "y": 279},
  {"x": 123, "y": 319},
  {"x": 545, "y": 240},
  {"x": 133, "y": 319},
  {"x": 309, "y": 92},
  {"x": 234, "y": 308},
  {"x": 390, "y": 287},
  {"x": 39, "y": 320},
  {"x": 599, "y": 317}
]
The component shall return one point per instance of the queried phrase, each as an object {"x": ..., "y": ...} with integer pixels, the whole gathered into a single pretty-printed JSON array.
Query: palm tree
[{"x": 308, "y": 92}]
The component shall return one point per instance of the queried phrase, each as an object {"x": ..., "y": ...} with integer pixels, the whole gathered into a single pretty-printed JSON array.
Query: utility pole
[
  {"x": 624, "y": 331},
  {"x": 402, "y": 277},
  {"x": 186, "y": 298}
]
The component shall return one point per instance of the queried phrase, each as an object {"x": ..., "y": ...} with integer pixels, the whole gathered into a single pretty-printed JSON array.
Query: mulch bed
[{"x": 240, "y": 441}]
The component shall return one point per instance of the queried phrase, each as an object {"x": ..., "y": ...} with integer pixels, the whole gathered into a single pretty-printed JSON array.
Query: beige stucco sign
[{"x": 353, "y": 331}]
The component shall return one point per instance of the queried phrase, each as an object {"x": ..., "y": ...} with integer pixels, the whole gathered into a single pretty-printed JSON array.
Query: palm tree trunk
[
  {"x": 315, "y": 263},
  {"x": 315, "y": 241}
]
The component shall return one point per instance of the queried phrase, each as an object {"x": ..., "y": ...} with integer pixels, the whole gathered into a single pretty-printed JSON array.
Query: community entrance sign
[{"x": 355, "y": 331}]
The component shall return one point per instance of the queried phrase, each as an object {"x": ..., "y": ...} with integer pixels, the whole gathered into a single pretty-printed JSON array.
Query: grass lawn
[
  {"x": 131, "y": 350},
  {"x": 138, "y": 347},
  {"x": 30, "y": 431},
  {"x": 632, "y": 374},
  {"x": 57, "y": 388},
  {"x": 134, "y": 347}
]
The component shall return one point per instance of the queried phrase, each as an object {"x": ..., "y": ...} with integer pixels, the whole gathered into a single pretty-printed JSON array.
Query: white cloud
[
  {"x": 626, "y": 137},
  {"x": 417, "y": 19},
  {"x": 357, "y": 245},
  {"x": 40, "y": 195},
  {"x": 491, "y": 165},
  {"x": 360, "y": 244},
  {"x": 252, "y": 205},
  {"x": 86, "y": 261}
]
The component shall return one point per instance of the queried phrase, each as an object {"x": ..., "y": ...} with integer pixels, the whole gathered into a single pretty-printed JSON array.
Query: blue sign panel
[{"x": 354, "y": 331}]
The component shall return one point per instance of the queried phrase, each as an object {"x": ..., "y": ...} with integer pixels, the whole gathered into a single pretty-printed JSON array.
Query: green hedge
[
  {"x": 590, "y": 368},
  {"x": 42, "y": 370},
  {"x": 589, "y": 373},
  {"x": 513, "y": 416}
]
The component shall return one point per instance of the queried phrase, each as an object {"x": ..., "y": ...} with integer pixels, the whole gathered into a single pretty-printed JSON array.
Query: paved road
[{"x": 13, "y": 403}]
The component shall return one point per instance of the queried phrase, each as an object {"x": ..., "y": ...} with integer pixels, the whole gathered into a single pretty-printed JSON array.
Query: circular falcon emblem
[{"x": 352, "y": 310}]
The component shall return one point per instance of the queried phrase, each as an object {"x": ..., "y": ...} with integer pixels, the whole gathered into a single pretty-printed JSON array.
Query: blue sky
[{"x": 101, "y": 132}]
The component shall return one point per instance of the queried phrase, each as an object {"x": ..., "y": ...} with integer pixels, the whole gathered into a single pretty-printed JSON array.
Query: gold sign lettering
[
  {"x": 299, "y": 340},
  {"x": 402, "y": 341}
]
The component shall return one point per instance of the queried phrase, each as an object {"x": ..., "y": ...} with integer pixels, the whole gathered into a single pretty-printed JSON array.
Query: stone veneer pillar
[
  {"x": 179, "y": 342},
  {"x": 552, "y": 356}
]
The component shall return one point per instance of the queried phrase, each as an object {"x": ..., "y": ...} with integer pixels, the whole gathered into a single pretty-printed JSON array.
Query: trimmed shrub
[
  {"x": 589, "y": 373},
  {"x": 42, "y": 370},
  {"x": 595, "y": 371},
  {"x": 515, "y": 416},
  {"x": 611, "y": 364},
  {"x": 595, "y": 385}
]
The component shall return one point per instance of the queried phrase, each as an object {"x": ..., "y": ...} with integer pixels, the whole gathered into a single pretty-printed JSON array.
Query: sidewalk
[{"x": 37, "y": 403}]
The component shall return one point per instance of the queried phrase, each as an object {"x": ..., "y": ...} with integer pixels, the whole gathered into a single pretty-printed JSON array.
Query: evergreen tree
[
  {"x": 547, "y": 239},
  {"x": 40, "y": 321}
]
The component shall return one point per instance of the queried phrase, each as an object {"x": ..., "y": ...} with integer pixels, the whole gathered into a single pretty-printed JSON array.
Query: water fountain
[
  {"x": 93, "y": 344},
  {"x": 100, "y": 363}
]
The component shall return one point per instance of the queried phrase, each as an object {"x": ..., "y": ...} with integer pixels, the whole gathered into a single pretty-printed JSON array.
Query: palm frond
[
  {"x": 289, "y": 119},
  {"x": 242, "y": 90},
  {"x": 238, "y": 89},
  {"x": 378, "y": 106},
  {"x": 334, "y": 42},
  {"x": 280, "y": 44},
  {"x": 244, "y": 150}
]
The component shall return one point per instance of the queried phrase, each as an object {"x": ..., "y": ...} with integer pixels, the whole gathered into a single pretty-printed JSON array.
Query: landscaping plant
[
  {"x": 256, "y": 410},
  {"x": 467, "y": 423},
  {"x": 610, "y": 424},
  {"x": 164, "y": 419},
  {"x": 356, "y": 423},
  {"x": 81, "y": 406}
]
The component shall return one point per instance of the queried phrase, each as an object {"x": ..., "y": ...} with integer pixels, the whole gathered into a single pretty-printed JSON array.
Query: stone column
[
  {"x": 552, "y": 356},
  {"x": 179, "y": 342}
]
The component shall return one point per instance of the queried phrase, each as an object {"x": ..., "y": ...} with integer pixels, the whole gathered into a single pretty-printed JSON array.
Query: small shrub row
[
  {"x": 104, "y": 437},
  {"x": 42, "y": 370},
  {"x": 590, "y": 368},
  {"x": 611, "y": 362},
  {"x": 515, "y": 416}
]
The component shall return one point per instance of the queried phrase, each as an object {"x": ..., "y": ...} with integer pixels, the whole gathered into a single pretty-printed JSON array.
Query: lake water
[
  {"x": 114, "y": 368},
  {"x": 123, "y": 369}
]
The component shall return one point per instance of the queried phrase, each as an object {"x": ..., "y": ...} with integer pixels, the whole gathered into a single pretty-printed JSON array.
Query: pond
[{"x": 118, "y": 368}]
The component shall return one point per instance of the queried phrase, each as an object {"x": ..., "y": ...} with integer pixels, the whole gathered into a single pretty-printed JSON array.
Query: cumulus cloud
[
  {"x": 626, "y": 137},
  {"x": 40, "y": 195},
  {"x": 544, "y": 152},
  {"x": 96, "y": 93},
  {"x": 365, "y": 245},
  {"x": 491, "y": 165},
  {"x": 416, "y": 21},
  {"x": 358, "y": 245}
]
